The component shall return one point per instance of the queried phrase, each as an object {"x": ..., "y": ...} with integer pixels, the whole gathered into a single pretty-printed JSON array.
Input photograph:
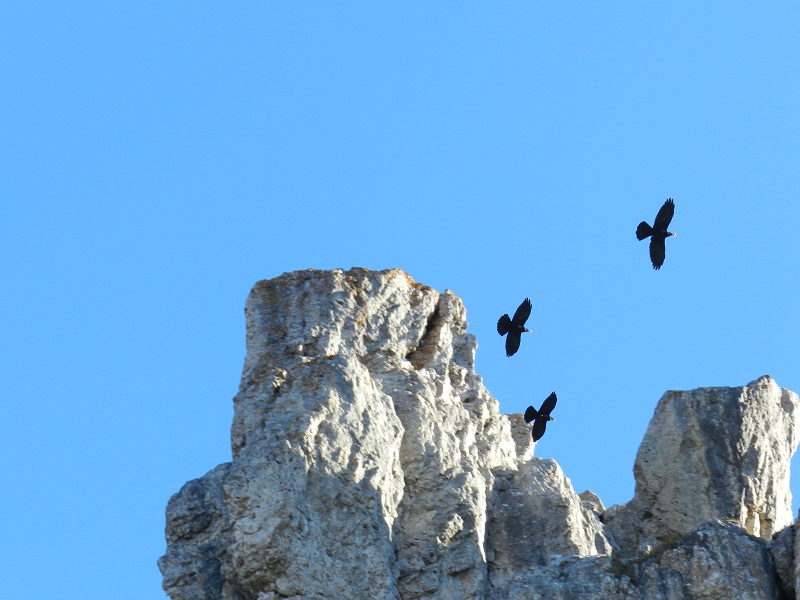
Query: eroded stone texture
[
  {"x": 592, "y": 502},
  {"x": 718, "y": 560},
  {"x": 521, "y": 432},
  {"x": 712, "y": 453},
  {"x": 536, "y": 517},
  {"x": 369, "y": 461},
  {"x": 362, "y": 443},
  {"x": 198, "y": 533},
  {"x": 782, "y": 549}
]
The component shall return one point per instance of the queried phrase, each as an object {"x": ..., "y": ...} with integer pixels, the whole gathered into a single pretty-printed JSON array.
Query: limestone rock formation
[
  {"x": 198, "y": 530},
  {"x": 712, "y": 453},
  {"x": 369, "y": 461},
  {"x": 363, "y": 443},
  {"x": 716, "y": 561},
  {"x": 530, "y": 508},
  {"x": 782, "y": 548}
]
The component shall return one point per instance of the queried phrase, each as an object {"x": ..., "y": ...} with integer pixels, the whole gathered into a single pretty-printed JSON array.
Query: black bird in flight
[
  {"x": 658, "y": 233},
  {"x": 540, "y": 417},
  {"x": 514, "y": 327}
]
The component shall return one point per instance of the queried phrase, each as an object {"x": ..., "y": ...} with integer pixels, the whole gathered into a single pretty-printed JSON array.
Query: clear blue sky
[{"x": 159, "y": 159}]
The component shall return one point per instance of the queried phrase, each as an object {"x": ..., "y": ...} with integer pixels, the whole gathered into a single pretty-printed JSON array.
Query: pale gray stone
[
  {"x": 782, "y": 549},
  {"x": 363, "y": 443},
  {"x": 592, "y": 502},
  {"x": 521, "y": 432},
  {"x": 717, "y": 561},
  {"x": 795, "y": 556},
  {"x": 712, "y": 453},
  {"x": 198, "y": 533},
  {"x": 537, "y": 517},
  {"x": 369, "y": 461}
]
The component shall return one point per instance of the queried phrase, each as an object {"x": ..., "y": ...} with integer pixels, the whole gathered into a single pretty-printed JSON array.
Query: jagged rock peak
[
  {"x": 369, "y": 461},
  {"x": 536, "y": 515},
  {"x": 363, "y": 444},
  {"x": 381, "y": 324},
  {"x": 713, "y": 453}
]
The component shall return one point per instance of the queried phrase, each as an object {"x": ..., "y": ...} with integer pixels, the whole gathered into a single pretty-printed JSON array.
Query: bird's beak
[
  {"x": 528, "y": 331},
  {"x": 674, "y": 234}
]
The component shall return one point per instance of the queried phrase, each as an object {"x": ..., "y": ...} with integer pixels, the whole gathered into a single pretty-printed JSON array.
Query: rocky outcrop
[
  {"x": 535, "y": 515},
  {"x": 363, "y": 443},
  {"x": 712, "y": 453},
  {"x": 782, "y": 548},
  {"x": 198, "y": 531},
  {"x": 369, "y": 461},
  {"x": 716, "y": 561}
]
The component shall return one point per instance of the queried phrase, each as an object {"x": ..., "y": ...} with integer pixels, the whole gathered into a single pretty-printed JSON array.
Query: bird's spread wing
[
  {"x": 664, "y": 215},
  {"x": 530, "y": 414},
  {"x": 503, "y": 324},
  {"x": 522, "y": 313},
  {"x": 658, "y": 252},
  {"x": 538, "y": 429},
  {"x": 512, "y": 343},
  {"x": 548, "y": 405}
]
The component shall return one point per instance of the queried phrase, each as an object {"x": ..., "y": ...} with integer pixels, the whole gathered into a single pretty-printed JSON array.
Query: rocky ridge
[{"x": 369, "y": 461}]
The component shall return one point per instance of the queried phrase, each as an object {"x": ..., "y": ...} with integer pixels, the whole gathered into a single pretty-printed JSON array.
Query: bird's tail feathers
[
  {"x": 643, "y": 230},
  {"x": 503, "y": 324}
]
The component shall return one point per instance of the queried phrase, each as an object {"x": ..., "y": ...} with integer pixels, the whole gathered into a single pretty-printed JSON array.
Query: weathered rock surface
[
  {"x": 782, "y": 548},
  {"x": 717, "y": 561},
  {"x": 712, "y": 453},
  {"x": 369, "y": 461},
  {"x": 198, "y": 530},
  {"x": 363, "y": 444},
  {"x": 536, "y": 515}
]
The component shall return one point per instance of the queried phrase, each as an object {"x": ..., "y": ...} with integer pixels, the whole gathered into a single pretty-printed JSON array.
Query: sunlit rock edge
[{"x": 369, "y": 461}]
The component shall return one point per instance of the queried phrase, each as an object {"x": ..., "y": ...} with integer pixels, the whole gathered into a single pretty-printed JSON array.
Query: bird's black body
[
  {"x": 514, "y": 328},
  {"x": 658, "y": 233},
  {"x": 540, "y": 417}
]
